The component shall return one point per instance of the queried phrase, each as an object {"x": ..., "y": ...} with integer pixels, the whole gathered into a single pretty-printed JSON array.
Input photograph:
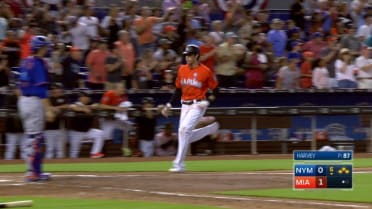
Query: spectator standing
[
  {"x": 321, "y": 79},
  {"x": 288, "y": 76},
  {"x": 71, "y": 68},
  {"x": 3, "y": 27},
  {"x": 306, "y": 70},
  {"x": 226, "y": 69},
  {"x": 364, "y": 64},
  {"x": 95, "y": 62},
  {"x": 350, "y": 40},
  {"x": 12, "y": 49},
  {"x": 91, "y": 22},
  {"x": 80, "y": 35},
  {"x": 277, "y": 37},
  {"x": 315, "y": 45},
  {"x": 208, "y": 52},
  {"x": 297, "y": 13},
  {"x": 345, "y": 69},
  {"x": 114, "y": 65},
  {"x": 217, "y": 31},
  {"x": 4, "y": 72},
  {"x": 127, "y": 52},
  {"x": 365, "y": 30},
  {"x": 145, "y": 66},
  {"x": 144, "y": 25},
  {"x": 166, "y": 141}
]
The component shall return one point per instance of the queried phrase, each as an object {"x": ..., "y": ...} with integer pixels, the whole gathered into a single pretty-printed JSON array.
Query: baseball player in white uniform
[{"x": 192, "y": 83}]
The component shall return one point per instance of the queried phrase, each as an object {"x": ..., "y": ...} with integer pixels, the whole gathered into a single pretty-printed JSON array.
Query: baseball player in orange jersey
[{"x": 192, "y": 83}]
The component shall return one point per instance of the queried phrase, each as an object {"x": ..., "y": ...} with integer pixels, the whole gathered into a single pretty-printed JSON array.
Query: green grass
[
  {"x": 59, "y": 203},
  {"x": 361, "y": 192},
  {"x": 202, "y": 165}
]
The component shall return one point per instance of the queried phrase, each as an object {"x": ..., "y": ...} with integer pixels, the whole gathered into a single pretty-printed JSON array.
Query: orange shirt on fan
[
  {"x": 112, "y": 99},
  {"x": 210, "y": 62},
  {"x": 195, "y": 83}
]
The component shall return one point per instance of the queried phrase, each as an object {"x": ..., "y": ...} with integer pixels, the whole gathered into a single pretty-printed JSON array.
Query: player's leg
[
  {"x": 60, "y": 143},
  {"x": 98, "y": 142},
  {"x": 23, "y": 138},
  {"x": 200, "y": 133},
  {"x": 193, "y": 113},
  {"x": 75, "y": 143},
  {"x": 32, "y": 115},
  {"x": 50, "y": 139},
  {"x": 11, "y": 143}
]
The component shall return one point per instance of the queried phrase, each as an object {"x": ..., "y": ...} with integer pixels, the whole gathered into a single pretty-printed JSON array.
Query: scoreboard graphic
[{"x": 322, "y": 170}]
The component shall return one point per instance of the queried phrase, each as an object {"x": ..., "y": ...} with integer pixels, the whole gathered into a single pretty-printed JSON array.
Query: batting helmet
[
  {"x": 38, "y": 42},
  {"x": 192, "y": 49}
]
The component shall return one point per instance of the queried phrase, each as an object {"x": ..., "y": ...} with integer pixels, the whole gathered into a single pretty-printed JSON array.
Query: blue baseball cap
[
  {"x": 296, "y": 43},
  {"x": 38, "y": 42}
]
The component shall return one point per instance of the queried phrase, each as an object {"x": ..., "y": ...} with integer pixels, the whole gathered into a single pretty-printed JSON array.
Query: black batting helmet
[{"x": 192, "y": 49}]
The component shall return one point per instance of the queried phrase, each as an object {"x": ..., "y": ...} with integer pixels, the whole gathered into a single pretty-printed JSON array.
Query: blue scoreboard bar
[{"x": 323, "y": 155}]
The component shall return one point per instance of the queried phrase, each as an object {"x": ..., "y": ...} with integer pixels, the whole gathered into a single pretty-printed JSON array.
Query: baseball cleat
[
  {"x": 177, "y": 170},
  {"x": 41, "y": 177},
  {"x": 97, "y": 155}
]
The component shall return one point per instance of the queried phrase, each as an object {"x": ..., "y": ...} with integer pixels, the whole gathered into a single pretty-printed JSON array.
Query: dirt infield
[{"x": 190, "y": 187}]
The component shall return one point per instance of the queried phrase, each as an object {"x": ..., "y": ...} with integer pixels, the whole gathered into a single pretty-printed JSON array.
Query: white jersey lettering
[{"x": 191, "y": 82}]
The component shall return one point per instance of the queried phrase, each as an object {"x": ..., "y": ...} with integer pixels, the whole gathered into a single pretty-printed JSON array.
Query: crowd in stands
[{"x": 322, "y": 44}]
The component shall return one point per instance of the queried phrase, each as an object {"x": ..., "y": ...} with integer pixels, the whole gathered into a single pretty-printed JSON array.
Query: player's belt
[{"x": 190, "y": 102}]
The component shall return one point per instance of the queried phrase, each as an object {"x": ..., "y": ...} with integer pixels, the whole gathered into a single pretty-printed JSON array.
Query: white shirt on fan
[
  {"x": 80, "y": 36},
  {"x": 360, "y": 62},
  {"x": 348, "y": 74},
  {"x": 91, "y": 23}
]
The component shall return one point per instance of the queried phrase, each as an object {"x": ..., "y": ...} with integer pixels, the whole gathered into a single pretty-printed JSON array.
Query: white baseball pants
[
  {"x": 77, "y": 137},
  {"x": 190, "y": 116},
  {"x": 12, "y": 140},
  {"x": 55, "y": 143}
]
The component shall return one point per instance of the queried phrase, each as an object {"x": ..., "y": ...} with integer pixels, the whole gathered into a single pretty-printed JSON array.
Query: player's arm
[{"x": 176, "y": 95}]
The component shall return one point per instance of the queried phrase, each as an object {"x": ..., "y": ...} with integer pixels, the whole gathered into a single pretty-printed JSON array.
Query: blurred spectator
[
  {"x": 12, "y": 49},
  {"x": 166, "y": 141},
  {"x": 3, "y": 27},
  {"x": 217, "y": 31},
  {"x": 165, "y": 57},
  {"x": 71, "y": 68},
  {"x": 168, "y": 81},
  {"x": 226, "y": 69},
  {"x": 95, "y": 62},
  {"x": 55, "y": 135},
  {"x": 350, "y": 40},
  {"x": 57, "y": 56},
  {"x": 144, "y": 24},
  {"x": 365, "y": 30},
  {"x": 84, "y": 126},
  {"x": 345, "y": 69},
  {"x": 306, "y": 70},
  {"x": 14, "y": 129},
  {"x": 256, "y": 67},
  {"x": 245, "y": 30},
  {"x": 127, "y": 53},
  {"x": 321, "y": 79},
  {"x": 289, "y": 76},
  {"x": 364, "y": 64},
  {"x": 277, "y": 37},
  {"x": 145, "y": 67},
  {"x": 79, "y": 32},
  {"x": 208, "y": 51},
  {"x": 315, "y": 45},
  {"x": 91, "y": 22},
  {"x": 297, "y": 13},
  {"x": 262, "y": 18},
  {"x": 4, "y": 72},
  {"x": 146, "y": 124},
  {"x": 112, "y": 24},
  {"x": 114, "y": 66}
]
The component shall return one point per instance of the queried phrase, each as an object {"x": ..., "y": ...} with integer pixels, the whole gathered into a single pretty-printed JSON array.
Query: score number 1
[{"x": 321, "y": 177}]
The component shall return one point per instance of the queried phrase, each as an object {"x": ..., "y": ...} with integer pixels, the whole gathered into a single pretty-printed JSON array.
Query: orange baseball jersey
[
  {"x": 111, "y": 98},
  {"x": 195, "y": 83}
]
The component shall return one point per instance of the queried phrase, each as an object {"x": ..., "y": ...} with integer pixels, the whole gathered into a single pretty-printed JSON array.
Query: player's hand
[
  {"x": 166, "y": 110},
  {"x": 203, "y": 104}
]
